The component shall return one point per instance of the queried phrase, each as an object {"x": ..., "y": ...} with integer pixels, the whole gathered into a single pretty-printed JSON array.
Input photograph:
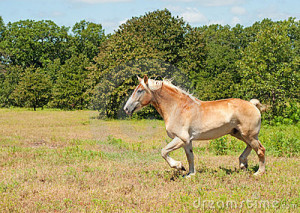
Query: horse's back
[
  {"x": 231, "y": 113},
  {"x": 233, "y": 106}
]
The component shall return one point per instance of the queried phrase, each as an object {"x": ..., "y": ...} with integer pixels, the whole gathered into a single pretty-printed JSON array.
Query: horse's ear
[
  {"x": 140, "y": 79},
  {"x": 146, "y": 79}
]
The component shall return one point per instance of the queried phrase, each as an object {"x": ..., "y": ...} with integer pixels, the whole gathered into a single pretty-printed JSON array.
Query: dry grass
[{"x": 57, "y": 161}]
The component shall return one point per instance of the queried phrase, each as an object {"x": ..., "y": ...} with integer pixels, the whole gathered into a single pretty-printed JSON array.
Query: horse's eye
[{"x": 139, "y": 91}]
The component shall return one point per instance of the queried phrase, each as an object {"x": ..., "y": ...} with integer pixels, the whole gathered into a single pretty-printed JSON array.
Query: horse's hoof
[
  {"x": 189, "y": 175},
  {"x": 243, "y": 166},
  {"x": 259, "y": 173}
]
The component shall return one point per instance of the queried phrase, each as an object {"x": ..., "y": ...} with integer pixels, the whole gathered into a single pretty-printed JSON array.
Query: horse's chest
[{"x": 175, "y": 130}]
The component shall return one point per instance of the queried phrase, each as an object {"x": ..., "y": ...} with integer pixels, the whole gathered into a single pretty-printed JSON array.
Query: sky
[{"x": 112, "y": 13}]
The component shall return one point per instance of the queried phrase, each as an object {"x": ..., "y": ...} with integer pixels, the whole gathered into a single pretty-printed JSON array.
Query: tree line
[{"x": 45, "y": 65}]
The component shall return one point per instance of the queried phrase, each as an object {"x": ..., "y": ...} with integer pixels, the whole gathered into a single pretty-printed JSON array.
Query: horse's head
[{"x": 140, "y": 97}]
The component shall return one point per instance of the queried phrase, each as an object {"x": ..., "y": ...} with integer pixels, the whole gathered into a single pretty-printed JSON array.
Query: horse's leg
[
  {"x": 188, "y": 148},
  {"x": 260, "y": 151},
  {"x": 243, "y": 161},
  {"x": 243, "y": 157},
  {"x": 176, "y": 143},
  {"x": 255, "y": 144}
]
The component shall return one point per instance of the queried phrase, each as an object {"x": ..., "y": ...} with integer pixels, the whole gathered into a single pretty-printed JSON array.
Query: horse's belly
[{"x": 211, "y": 133}]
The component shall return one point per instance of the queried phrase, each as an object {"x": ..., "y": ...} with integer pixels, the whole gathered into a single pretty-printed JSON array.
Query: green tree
[
  {"x": 2, "y": 28},
  {"x": 87, "y": 38},
  {"x": 139, "y": 45},
  {"x": 33, "y": 89},
  {"x": 34, "y": 43},
  {"x": 9, "y": 79},
  {"x": 69, "y": 91},
  {"x": 110, "y": 93},
  {"x": 218, "y": 75},
  {"x": 270, "y": 67},
  {"x": 2, "y": 54},
  {"x": 193, "y": 56}
]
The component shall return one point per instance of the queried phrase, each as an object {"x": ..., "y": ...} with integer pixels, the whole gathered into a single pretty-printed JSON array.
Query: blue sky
[{"x": 112, "y": 13}]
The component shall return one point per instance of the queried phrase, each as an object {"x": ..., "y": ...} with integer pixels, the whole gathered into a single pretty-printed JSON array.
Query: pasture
[{"x": 67, "y": 161}]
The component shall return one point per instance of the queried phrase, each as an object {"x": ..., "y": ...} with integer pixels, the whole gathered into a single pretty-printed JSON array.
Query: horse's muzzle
[
  {"x": 127, "y": 111},
  {"x": 130, "y": 109}
]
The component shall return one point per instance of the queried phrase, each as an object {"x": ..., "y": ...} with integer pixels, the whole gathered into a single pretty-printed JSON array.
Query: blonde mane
[{"x": 156, "y": 84}]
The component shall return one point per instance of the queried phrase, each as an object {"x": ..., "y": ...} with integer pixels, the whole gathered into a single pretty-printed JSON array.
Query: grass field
[{"x": 61, "y": 161}]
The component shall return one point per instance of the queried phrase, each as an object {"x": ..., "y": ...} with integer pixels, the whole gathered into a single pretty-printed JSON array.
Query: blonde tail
[{"x": 259, "y": 106}]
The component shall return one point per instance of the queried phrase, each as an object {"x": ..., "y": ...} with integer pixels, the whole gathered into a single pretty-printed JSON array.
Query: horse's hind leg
[
  {"x": 252, "y": 143},
  {"x": 243, "y": 159},
  {"x": 255, "y": 144},
  {"x": 260, "y": 151}
]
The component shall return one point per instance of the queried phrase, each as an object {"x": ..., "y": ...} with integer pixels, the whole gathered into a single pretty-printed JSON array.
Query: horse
[{"x": 188, "y": 118}]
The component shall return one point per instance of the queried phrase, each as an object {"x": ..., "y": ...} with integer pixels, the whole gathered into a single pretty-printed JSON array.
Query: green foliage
[
  {"x": 219, "y": 146},
  {"x": 59, "y": 59},
  {"x": 289, "y": 115},
  {"x": 86, "y": 68},
  {"x": 34, "y": 43},
  {"x": 156, "y": 35},
  {"x": 193, "y": 55},
  {"x": 219, "y": 76},
  {"x": 9, "y": 79},
  {"x": 33, "y": 89},
  {"x": 87, "y": 38},
  {"x": 226, "y": 145},
  {"x": 116, "y": 85},
  {"x": 70, "y": 87},
  {"x": 120, "y": 144},
  {"x": 281, "y": 144},
  {"x": 145, "y": 45},
  {"x": 269, "y": 67},
  {"x": 280, "y": 140}
]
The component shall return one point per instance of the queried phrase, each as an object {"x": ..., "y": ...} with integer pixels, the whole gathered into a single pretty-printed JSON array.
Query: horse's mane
[{"x": 157, "y": 84}]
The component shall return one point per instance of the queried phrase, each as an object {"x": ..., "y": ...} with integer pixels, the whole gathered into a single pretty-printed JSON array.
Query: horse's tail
[{"x": 261, "y": 107}]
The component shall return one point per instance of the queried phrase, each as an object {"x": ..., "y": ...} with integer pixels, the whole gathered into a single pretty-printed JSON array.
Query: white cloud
[
  {"x": 111, "y": 24},
  {"x": 235, "y": 21},
  {"x": 100, "y": 1},
  {"x": 274, "y": 14},
  {"x": 238, "y": 10},
  {"x": 123, "y": 21},
  {"x": 210, "y": 22},
  {"x": 193, "y": 15}
]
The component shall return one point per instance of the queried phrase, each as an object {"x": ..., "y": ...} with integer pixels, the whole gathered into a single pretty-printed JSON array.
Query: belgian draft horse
[{"x": 187, "y": 119}]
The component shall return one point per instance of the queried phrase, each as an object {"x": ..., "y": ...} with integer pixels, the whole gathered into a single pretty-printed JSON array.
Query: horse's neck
[{"x": 164, "y": 101}]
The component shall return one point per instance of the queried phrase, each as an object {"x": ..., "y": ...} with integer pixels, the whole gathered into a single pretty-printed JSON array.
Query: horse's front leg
[
  {"x": 176, "y": 143},
  {"x": 188, "y": 148}
]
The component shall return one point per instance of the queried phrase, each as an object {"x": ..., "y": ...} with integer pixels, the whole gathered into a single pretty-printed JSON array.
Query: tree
[
  {"x": 217, "y": 76},
  {"x": 35, "y": 43},
  {"x": 269, "y": 67},
  {"x": 33, "y": 89},
  {"x": 193, "y": 56},
  {"x": 110, "y": 93},
  {"x": 70, "y": 87},
  {"x": 2, "y": 54},
  {"x": 87, "y": 38},
  {"x": 9, "y": 79},
  {"x": 142, "y": 43}
]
